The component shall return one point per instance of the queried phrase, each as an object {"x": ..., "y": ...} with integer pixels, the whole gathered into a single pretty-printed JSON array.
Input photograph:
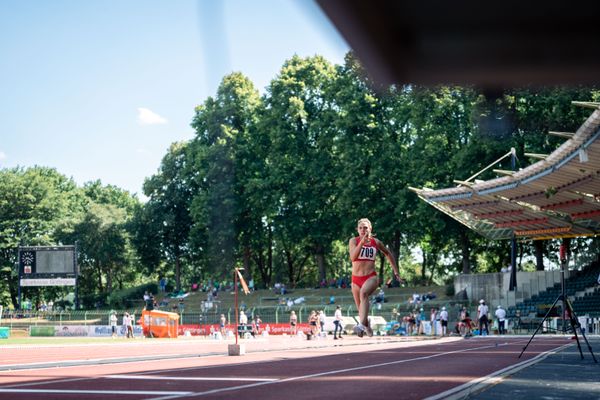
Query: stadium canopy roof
[
  {"x": 556, "y": 197},
  {"x": 492, "y": 45}
]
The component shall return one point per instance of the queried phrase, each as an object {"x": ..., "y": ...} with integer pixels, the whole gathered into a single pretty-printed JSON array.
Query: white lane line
[
  {"x": 75, "y": 391},
  {"x": 184, "y": 378},
  {"x": 339, "y": 371},
  {"x": 477, "y": 385}
]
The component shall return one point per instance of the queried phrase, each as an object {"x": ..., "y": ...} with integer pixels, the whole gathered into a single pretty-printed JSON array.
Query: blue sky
[{"x": 99, "y": 89}]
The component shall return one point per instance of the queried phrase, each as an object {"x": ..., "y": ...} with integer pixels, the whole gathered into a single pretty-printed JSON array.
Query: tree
[
  {"x": 166, "y": 218},
  {"x": 34, "y": 204},
  {"x": 302, "y": 166},
  {"x": 228, "y": 207}
]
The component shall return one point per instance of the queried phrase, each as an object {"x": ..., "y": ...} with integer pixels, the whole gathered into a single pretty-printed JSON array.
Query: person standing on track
[
  {"x": 293, "y": 323},
  {"x": 363, "y": 252},
  {"x": 222, "y": 323},
  {"x": 482, "y": 317},
  {"x": 337, "y": 322},
  {"x": 113, "y": 323},
  {"x": 444, "y": 321},
  {"x": 501, "y": 317}
]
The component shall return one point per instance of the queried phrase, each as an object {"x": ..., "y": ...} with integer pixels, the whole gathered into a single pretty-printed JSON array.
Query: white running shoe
[{"x": 359, "y": 330}]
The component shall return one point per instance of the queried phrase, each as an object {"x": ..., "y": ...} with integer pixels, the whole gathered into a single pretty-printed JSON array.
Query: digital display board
[{"x": 39, "y": 266}]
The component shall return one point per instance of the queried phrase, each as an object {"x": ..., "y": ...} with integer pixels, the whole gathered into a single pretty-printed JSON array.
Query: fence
[{"x": 275, "y": 314}]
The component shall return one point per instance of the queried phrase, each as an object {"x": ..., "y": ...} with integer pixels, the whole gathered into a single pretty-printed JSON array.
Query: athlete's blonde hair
[{"x": 366, "y": 221}]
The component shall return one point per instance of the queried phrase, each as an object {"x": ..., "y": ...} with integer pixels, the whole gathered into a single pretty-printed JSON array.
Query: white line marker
[
  {"x": 296, "y": 378},
  {"x": 124, "y": 392},
  {"x": 185, "y": 378}
]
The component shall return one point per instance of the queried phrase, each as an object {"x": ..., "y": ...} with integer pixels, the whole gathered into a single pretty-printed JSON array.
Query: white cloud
[
  {"x": 2, "y": 155},
  {"x": 143, "y": 150},
  {"x": 149, "y": 117}
]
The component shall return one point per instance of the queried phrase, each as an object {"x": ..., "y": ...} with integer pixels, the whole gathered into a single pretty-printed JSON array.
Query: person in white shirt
[
  {"x": 321, "y": 321},
  {"x": 482, "y": 312},
  {"x": 501, "y": 316},
  {"x": 337, "y": 322},
  {"x": 444, "y": 321},
  {"x": 113, "y": 323},
  {"x": 126, "y": 323}
]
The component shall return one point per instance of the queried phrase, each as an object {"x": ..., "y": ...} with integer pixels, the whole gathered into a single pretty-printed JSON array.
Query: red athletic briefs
[{"x": 360, "y": 280}]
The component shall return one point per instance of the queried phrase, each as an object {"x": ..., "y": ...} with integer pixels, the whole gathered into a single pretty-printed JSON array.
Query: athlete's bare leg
[{"x": 361, "y": 298}]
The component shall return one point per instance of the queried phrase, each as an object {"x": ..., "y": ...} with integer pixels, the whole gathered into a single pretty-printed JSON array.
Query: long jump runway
[{"x": 357, "y": 369}]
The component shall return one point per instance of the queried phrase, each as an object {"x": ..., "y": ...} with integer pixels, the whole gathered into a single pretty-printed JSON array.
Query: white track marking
[
  {"x": 477, "y": 385},
  {"x": 185, "y": 378},
  {"x": 333, "y": 372},
  {"x": 84, "y": 392}
]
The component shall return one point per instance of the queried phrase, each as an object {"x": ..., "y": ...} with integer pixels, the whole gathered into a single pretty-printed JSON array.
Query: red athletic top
[{"x": 368, "y": 251}]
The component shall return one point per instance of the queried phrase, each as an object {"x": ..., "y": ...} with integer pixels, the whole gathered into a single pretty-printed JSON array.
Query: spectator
[
  {"x": 254, "y": 327},
  {"x": 243, "y": 322},
  {"x": 163, "y": 284},
  {"x": 222, "y": 323},
  {"x": 465, "y": 323},
  {"x": 258, "y": 323},
  {"x": 243, "y": 318},
  {"x": 293, "y": 322},
  {"x": 416, "y": 299},
  {"x": 420, "y": 319},
  {"x": 482, "y": 317},
  {"x": 501, "y": 317},
  {"x": 313, "y": 319},
  {"x": 380, "y": 298},
  {"x": 322, "y": 321},
  {"x": 113, "y": 323},
  {"x": 444, "y": 321},
  {"x": 128, "y": 324},
  {"x": 337, "y": 322},
  {"x": 433, "y": 320}
]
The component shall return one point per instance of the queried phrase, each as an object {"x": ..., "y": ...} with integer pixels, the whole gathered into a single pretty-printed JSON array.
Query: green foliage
[
  {"x": 275, "y": 184},
  {"x": 131, "y": 297}
]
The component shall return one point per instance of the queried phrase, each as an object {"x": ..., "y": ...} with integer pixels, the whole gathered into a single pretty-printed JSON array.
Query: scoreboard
[{"x": 47, "y": 266}]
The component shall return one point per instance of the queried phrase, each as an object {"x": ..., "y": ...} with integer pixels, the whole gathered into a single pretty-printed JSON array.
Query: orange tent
[{"x": 160, "y": 324}]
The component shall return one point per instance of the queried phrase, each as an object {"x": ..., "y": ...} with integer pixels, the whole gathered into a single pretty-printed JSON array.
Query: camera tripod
[{"x": 567, "y": 311}]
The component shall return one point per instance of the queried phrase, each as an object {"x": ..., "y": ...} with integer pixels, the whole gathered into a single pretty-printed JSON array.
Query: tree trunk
[
  {"x": 424, "y": 265},
  {"x": 178, "y": 272},
  {"x": 99, "y": 269},
  {"x": 246, "y": 262},
  {"x": 320, "y": 260},
  {"x": 109, "y": 279},
  {"x": 290, "y": 266},
  {"x": 538, "y": 246},
  {"x": 269, "y": 255}
]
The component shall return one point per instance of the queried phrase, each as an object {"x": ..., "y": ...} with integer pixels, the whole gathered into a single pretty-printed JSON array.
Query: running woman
[{"x": 363, "y": 253}]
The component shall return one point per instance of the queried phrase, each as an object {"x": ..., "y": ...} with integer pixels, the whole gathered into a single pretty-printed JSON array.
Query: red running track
[{"x": 384, "y": 368}]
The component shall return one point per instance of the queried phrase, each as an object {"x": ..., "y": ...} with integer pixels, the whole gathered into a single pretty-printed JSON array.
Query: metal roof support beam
[
  {"x": 564, "y": 204},
  {"x": 537, "y": 156},
  {"x": 564, "y": 135},
  {"x": 497, "y": 214},
  {"x": 586, "y": 104},
  {"x": 584, "y": 215},
  {"x": 522, "y": 222}
]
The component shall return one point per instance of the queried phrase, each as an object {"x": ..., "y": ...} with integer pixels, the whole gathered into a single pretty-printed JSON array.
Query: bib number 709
[{"x": 367, "y": 252}]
